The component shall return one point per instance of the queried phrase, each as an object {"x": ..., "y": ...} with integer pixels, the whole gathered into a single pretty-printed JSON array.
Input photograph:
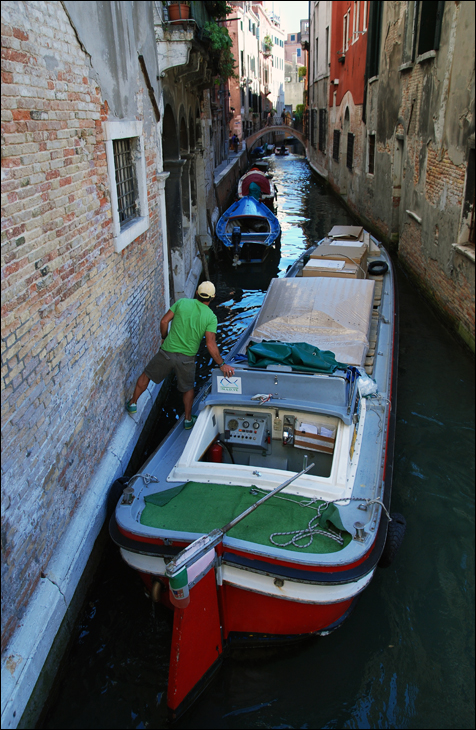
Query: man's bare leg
[
  {"x": 141, "y": 385},
  {"x": 188, "y": 402}
]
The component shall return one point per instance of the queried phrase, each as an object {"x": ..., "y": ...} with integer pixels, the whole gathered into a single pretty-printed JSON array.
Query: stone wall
[{"x": 79, "y": 321}]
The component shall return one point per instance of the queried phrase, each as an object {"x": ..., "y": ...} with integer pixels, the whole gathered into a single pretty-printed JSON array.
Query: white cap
[{"x": 206, "y": 290}]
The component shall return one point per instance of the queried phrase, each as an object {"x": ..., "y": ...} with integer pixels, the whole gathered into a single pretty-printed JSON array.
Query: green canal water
[{"x": 405, "y": 657}]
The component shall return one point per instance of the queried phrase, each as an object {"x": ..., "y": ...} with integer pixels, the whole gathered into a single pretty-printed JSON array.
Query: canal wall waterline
[
  {"x": 57, "y": 591},
  {"x": 451, "y": 322}
]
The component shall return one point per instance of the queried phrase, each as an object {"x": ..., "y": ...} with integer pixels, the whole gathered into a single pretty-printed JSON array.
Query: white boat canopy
[{"x": 331, "y": 313}]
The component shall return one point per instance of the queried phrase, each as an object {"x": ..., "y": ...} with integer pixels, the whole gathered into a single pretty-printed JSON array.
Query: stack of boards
[{"x": 343, "y": 254}]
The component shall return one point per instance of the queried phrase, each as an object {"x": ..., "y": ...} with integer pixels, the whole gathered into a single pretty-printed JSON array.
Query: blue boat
[{"x": 248, "y": 231}]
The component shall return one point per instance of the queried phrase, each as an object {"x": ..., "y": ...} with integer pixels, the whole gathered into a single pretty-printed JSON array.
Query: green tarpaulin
[
  {"x": 198, "y": 507},
  {"x": 299, "y": 355}
]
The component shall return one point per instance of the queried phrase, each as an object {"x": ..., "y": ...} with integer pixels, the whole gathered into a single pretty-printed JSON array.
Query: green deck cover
[
  {"x": 196, "y": 507},
  {"x": 299, "y": 355}
]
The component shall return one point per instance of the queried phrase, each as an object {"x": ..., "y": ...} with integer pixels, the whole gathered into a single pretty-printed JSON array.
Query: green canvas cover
[
  {"x": 299, "y": 355},
  {"x": 198, "y": 507}
]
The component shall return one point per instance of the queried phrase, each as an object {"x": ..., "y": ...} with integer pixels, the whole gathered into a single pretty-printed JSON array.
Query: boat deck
[{"x": 199, "y": 507}]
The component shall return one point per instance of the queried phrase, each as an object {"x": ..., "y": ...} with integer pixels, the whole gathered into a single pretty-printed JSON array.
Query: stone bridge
[{"x": 275, "y": 128}]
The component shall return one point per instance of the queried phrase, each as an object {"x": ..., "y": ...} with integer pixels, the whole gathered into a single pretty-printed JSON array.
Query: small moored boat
[
  {"x": 281, "y": 151},
  {"x": 270, "y": 517},
  {"x": 258, "y": 184},
  {"x": 248, "y": 231}
]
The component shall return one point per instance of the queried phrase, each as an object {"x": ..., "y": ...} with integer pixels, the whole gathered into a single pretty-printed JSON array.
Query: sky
[{"x": 291, "y": 13}]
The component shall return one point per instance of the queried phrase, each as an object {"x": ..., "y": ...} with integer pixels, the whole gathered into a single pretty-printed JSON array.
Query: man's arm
[
  {"x": 212, "y": 347},
  {"x": 164, "y": 323}
]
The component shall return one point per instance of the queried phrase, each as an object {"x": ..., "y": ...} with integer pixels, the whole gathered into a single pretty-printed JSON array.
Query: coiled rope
[{"x": 312, "y": 529}]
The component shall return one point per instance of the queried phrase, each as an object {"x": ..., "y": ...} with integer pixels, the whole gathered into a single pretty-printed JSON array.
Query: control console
[{"x": 249, "y": 430}]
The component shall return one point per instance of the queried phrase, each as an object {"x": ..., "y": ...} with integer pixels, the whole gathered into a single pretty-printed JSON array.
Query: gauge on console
[
  {"x": 233, "y": 424},
  {"x": 245, "y": 424},
  {"x": 256, "y": 424}
]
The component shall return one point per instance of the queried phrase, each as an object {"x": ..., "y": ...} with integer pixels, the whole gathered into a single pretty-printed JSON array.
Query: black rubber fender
[
  {"x": 377, "y": 268},
  {"x": 395, "y": 534},
  {"x": 114, "y": 494}
]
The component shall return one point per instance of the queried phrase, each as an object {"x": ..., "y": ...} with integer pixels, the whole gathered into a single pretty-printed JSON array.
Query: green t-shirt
[{"x": 191, "y": 320}]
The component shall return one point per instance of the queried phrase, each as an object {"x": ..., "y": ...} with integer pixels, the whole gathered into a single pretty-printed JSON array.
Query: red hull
[{"x": 248, "y": 612}]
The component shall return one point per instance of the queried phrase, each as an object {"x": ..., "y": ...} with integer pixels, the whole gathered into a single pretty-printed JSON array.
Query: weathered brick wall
[
  {"x": 452, "y": 292},
  {"x": 79, "y": 321}
]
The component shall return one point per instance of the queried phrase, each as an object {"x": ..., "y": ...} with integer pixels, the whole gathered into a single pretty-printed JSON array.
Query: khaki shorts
[{"x": 164, "y": 362}]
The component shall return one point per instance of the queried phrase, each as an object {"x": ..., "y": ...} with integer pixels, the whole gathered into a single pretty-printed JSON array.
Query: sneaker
[
  {"x": 131, "y": 407},
  {"x": 189, "y": 424}
]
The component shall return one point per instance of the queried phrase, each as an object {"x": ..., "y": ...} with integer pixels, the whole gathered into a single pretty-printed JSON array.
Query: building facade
[
  {"x": 258, "y": 47},
  {"x": 398, "y": 141},
  {"x": 108, "y": 161}
]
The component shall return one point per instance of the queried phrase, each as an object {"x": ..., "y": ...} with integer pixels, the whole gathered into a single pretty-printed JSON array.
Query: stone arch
[
  {"x": 275, "y": 128},
  {"x": 169, "y": 135}
]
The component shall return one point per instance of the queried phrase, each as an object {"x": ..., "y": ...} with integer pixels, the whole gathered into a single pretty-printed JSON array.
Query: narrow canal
[{"x": 404, "y": 659}]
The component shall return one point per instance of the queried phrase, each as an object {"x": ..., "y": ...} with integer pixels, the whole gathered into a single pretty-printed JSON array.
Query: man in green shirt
[{"x": 190, "y": 319}]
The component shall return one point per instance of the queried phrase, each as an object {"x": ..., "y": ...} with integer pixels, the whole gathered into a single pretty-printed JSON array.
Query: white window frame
[
  {"x": 134, "y": 228},
  {"x": 346, "y": 23}
]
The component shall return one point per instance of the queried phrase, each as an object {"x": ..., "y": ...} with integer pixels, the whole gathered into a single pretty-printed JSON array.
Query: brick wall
[
  {"x": 79, "y": 321},
  {"x": 453, "y": 293}
]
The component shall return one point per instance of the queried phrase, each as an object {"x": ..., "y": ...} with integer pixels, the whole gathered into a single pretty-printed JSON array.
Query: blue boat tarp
[
  {"x": 255, "y": 220},
  {"x": 298, "y": 355}
]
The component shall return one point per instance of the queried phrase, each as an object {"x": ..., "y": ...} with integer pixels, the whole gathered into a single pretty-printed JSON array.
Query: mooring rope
[{"x": 312, "y": 529}]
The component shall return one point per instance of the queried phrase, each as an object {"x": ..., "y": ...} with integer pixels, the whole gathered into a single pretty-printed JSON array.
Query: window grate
[
  {"x": 335, "y": 149},
  {"x": 313, "y": 126},
  {"x": 350, "y": 150},
  {"x": 125, "y": 180},
  {"x": 371, "y": 153},
  {"x": 322, "y": 129}
]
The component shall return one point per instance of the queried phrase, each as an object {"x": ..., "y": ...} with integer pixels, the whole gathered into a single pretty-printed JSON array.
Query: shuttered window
[
  {"x": 350, "y": 150},
  {"x": 371, "y": 153},
  {"x": 335, "y": 149},
  {"x": 322, "y": 129},
  {"x": 313, "y": 127}
]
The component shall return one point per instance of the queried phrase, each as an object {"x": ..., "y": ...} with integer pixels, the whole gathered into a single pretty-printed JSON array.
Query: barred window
[
  {"x": 322, "y": 129},
  {"x": 335, "y": 149},
  {"x": 371, "y": 154},
  {"x": 313, "y": 127},
  {"x": 350, "y": 150},
  {"x": 125, "y": 180},
  {"x": 128, "y": 181}
]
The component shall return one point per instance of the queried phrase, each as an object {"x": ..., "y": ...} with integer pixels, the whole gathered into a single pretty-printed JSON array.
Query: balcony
[{"x": 174, "y": 39}]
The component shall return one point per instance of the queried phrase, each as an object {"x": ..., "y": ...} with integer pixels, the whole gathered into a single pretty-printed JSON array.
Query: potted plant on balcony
[
  {"x": 178, "y": 10},
  {"x": 267, "y": 45}
]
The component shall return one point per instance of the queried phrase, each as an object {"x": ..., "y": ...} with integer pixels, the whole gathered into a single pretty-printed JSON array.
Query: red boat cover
[{"x": 257, "y": 177}]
